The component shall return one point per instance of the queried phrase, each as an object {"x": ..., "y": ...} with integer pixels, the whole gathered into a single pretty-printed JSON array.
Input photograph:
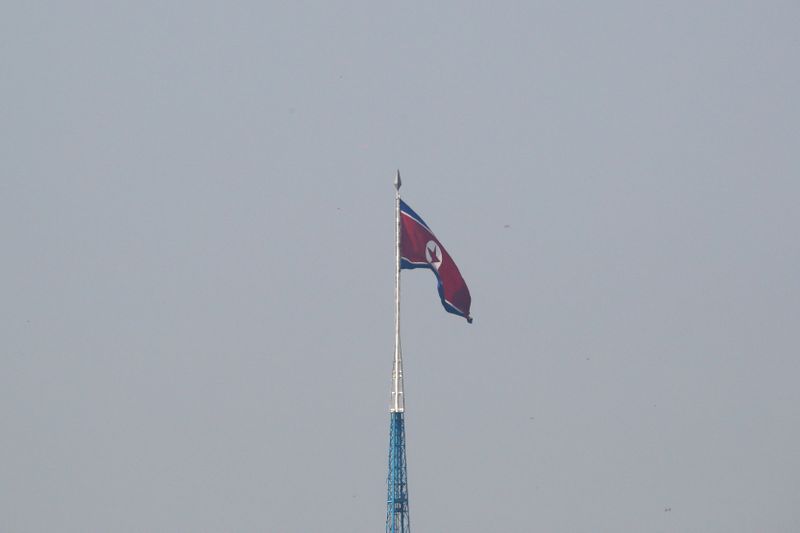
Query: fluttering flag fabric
[{"x": 419, "y": 248}]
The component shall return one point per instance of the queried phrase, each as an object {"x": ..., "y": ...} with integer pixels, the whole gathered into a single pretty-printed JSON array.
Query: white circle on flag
[{"x": 433, "y": 254}]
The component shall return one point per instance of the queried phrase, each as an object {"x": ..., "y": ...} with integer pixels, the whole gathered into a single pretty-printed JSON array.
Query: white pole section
[{"x": 398, "y": 398}]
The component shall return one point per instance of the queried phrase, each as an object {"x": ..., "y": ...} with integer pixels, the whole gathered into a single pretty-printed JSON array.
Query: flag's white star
[{"x": 432, "y": 253}]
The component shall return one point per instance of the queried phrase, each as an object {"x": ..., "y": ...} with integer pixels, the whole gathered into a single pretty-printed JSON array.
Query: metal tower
[{"x": 397, "y": 517}]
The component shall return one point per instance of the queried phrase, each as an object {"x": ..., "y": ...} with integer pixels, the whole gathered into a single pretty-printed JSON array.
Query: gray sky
[{"x": 196, "y": 286}]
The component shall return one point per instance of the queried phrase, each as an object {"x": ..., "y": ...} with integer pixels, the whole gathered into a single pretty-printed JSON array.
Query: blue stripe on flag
[{"x": 410, "y": 212}]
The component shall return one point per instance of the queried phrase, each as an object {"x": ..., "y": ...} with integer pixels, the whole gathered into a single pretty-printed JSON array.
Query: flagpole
[
  {"x": 398, "y": 397},
  {"x": 397, "y": 516}
]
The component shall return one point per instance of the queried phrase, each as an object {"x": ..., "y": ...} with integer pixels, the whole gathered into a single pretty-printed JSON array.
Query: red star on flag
[{"x": 434, "y": 257}]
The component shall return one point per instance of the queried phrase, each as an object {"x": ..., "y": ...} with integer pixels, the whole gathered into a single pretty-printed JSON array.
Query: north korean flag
[{"x": 419, "y": 248}]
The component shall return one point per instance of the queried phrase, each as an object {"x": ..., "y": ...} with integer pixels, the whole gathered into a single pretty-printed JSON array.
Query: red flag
[{"x": 419, "y": 248}]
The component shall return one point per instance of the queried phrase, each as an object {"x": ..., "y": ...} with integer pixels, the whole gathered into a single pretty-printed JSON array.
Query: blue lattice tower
[{"x": 397, "y": 517}]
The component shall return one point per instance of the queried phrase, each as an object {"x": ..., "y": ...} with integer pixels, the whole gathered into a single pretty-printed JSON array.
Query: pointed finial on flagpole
[{"x": 397, "y": 182}]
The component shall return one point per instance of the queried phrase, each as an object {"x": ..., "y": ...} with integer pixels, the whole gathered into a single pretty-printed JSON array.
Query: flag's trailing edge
[{"x": 419, "y": 248}]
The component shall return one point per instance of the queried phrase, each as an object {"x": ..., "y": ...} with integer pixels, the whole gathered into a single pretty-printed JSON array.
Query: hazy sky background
[{"x": 196, "y": 284}]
